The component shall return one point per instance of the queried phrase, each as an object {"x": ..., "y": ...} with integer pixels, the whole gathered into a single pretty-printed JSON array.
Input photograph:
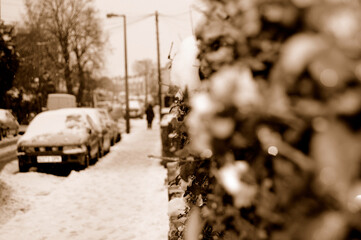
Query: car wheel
[
  {"x": 106, "y": 151},
  {"x": 86, "y": 161},
  {"x": 4, "y": 133},
  {"x": 102, "y": 152},
  {"x": 99, "y": 154}
]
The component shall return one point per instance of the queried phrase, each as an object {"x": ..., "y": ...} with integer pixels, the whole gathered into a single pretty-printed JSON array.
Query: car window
[
  {"x": 95, "y": 117},
  {"x": 91, "y": 123},
  {"x": 102, "y": 122},
  {"x": 105, "y": 115}
]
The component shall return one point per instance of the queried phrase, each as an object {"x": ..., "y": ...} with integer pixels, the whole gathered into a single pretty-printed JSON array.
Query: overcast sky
[{"x": 176, "y": 21}]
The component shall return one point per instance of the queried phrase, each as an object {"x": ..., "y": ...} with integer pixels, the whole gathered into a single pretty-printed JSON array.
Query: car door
[
  {"x": 94, "y": 138},
  {"x": 106, "y": 133}
]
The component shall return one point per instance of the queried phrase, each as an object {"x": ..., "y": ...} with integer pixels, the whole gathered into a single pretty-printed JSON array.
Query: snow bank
[{"x": 123, "y": 196}]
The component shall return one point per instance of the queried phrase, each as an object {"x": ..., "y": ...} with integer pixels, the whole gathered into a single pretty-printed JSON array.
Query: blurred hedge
[{"x": 275, "y": 131}]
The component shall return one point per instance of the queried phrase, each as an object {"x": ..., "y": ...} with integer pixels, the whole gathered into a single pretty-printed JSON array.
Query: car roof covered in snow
[{"x": 55, "y": 121}]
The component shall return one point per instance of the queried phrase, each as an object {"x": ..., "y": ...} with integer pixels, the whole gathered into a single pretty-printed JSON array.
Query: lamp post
[{"x": 110, "y": 15}]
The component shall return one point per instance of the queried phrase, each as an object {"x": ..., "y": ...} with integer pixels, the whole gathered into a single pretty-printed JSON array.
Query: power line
[
  {"x": 136, "y": 17},
  {"x": 140, "y": 19},
  {"x": 177, "y": 23},
  {"x": 144, "y": 16},
  {"x": 199, "y": 9},
  {"x": 130, "y": 23},
  {"x": 174, "y": 15}
]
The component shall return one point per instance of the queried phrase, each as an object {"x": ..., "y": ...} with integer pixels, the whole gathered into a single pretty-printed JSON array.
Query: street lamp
[{"x": 110, "y": 15}]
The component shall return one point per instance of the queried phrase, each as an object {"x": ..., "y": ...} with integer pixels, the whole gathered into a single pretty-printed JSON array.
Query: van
[
  {"x": 136, "y": 109},
  {"x": 60, "y": 100}
]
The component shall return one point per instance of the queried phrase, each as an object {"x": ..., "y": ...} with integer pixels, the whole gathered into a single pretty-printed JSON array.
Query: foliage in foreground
[{"x": 274, "y": 133}]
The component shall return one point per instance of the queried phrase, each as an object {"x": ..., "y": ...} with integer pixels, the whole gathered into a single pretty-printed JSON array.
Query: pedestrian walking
[{"x": 150, "y": 115}]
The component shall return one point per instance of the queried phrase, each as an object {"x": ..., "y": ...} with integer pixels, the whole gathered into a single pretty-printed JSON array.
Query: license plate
[{"x": 49, "y": 159}]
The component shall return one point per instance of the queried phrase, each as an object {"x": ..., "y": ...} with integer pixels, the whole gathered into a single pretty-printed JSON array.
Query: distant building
[{"x": 136, "y": 85}]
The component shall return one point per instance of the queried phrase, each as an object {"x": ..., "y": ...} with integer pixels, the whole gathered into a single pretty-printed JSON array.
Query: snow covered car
[
  {"x": 100, "y": 125},
  {"x": 58, "y": 137},
  {"x": 112, "y": 126},
  {"x": 117, "y": 112},
  {"x": 8, "y": 124}
]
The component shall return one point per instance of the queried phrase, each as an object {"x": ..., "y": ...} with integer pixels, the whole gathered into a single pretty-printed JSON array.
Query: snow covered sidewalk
[{"x": 122, "y": 197}]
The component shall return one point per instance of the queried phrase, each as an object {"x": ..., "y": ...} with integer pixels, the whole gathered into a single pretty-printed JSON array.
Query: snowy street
[{"x": 122, "y": 196}]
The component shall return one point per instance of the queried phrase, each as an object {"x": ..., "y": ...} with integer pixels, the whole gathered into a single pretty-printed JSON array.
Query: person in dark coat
[{"x": 150, "y": 115}]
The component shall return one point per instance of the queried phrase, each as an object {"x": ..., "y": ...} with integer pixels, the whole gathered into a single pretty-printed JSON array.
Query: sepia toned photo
[{"x": 180, "y": 120}]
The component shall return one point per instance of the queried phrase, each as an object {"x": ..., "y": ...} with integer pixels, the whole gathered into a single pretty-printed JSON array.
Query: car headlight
[
  {"x": 21, "y": 149},
  {"x": 74, "y": 149}
]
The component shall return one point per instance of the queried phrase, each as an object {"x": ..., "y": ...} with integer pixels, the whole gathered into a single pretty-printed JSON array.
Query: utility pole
[
  {"x": 125, "y": 68},
  {"x": 159, "y": 72},
  {"x": 126, "y": 76},
  {"x": 146, "y": 85}
]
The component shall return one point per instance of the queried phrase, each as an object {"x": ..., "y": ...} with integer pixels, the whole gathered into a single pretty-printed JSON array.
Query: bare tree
[
  {"x": 59, "y": 23},
  {"x": 87, "y": 45},
  {"x": 75, "y": 29}
]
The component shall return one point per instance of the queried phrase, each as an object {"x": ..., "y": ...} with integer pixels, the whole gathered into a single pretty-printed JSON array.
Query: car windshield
[{"x": 52, "y": 122}]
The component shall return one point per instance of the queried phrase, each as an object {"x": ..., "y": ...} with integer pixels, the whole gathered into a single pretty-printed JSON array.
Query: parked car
[
  {"x": 59, "y": 137},
  {"x": 136, "y": 109},
  {"x": 103, "y": 104},
  {"x": 112, "y": 126},
  {"x": 101, "y": 127},
  {"x": 8, "y": 124},
  {"x": 117, "y": 112}
]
